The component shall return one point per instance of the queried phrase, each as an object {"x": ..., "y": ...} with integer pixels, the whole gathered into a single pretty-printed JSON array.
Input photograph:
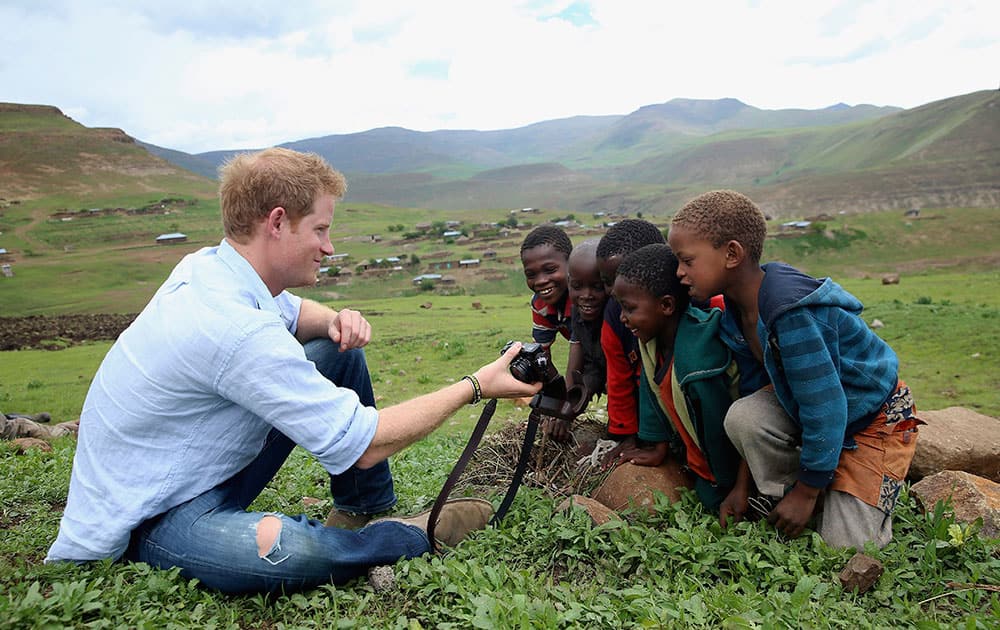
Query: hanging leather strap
[
  {"x": 463, "y": 461},
  {"x": 456, "y": 472}
]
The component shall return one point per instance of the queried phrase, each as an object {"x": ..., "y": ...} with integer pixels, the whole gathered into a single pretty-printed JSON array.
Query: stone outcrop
[
  {"x": 598, "y": 512},
  {"x": 957, "y": 438},
  {"x": 21, "y": 445},
  {"x": 635, "y": 485},
  {"x": 971, "y": 497}
]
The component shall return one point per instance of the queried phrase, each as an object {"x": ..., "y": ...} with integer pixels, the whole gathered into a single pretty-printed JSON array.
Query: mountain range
[{"x": 792, "y": 161}]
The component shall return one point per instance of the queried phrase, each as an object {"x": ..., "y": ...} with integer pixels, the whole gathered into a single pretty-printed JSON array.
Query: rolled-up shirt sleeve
[{"x": 267, "y": 374}]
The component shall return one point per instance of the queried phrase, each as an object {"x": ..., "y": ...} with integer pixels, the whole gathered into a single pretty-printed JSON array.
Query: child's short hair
[
  {"x": 585, "y": 249},
  {"x": 654, "y": 268},
  {"x": 626, "y": 236},
  {"x": 548, "y": 235},
  {"x": 720, "y": 216}
]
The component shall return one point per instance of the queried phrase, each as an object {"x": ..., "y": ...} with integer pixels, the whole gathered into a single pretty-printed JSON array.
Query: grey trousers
[{"x": 768, "y": 440}]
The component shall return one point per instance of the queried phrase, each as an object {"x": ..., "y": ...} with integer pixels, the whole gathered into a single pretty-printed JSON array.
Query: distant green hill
[{"x": 791, "y": 161}]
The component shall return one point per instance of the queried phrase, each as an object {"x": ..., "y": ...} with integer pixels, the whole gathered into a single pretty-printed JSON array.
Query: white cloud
[{"x": 196, "y": 76}]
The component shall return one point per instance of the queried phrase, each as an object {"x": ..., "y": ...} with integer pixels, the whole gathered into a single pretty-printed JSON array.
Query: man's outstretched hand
[{"x": 496, "y": 381}]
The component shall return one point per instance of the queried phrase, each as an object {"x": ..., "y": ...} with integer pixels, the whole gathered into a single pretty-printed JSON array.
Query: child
[
  {"x": 544, "y": 256},
  {"x": 688, "y": 378},
  {"x": 621, "y": 350},
  {"x": 836, "y": 428},
  {"x": 586, "y": 365},
  {"x": 587, "y": 293}
]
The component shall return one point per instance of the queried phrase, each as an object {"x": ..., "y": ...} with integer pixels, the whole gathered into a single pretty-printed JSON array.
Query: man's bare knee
[{"x": 268, "y": 531}]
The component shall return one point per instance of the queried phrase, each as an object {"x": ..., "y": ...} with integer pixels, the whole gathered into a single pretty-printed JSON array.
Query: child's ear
[
  {"x": 735, "y": 254},
  {"x": 668, "y": 305}
]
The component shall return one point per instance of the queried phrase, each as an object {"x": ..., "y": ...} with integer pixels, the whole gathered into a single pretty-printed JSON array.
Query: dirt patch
[
  {"x": 553, "y": 467},
  {"x": 57, "y": 332}
]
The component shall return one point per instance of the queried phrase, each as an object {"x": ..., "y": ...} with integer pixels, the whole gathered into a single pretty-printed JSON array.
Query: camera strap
[{"x": 463, "y": 461}]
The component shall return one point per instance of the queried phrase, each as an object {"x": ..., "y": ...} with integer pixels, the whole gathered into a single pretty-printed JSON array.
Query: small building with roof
[{"x": 172, "y": 237}]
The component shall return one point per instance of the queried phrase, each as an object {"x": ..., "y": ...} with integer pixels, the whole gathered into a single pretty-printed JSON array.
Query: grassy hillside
[{"x": 45, "y": 154}]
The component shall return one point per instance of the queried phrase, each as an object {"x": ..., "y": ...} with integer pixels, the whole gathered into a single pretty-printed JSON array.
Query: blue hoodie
[{"x": 830, "y": 372}]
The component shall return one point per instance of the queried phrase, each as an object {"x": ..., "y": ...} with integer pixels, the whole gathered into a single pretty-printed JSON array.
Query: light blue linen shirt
[{"x": 186, "y": 396}]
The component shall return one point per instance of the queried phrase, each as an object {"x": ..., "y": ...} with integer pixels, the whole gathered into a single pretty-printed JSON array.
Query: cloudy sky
[{"x": 198, "y": 75}]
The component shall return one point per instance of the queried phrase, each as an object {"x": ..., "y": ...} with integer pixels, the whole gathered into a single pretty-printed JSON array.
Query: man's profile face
[{"x": 303, "y": 245}]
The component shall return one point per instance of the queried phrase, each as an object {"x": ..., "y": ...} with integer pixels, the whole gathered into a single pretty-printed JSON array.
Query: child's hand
[
  {"x": 733, "y": 506},
  {"x": 793, "y": 512},
  {"x": 613, "y": 457},
  {"x": 556, "y": 428},
  {"x": 649, "y": 456},
  {"x": 644, "y": 456},
  {"x": 736, "y": 503}
]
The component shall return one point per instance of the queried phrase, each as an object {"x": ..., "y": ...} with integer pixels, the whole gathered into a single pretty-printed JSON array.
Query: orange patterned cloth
[{"x": 874, "y": 471}]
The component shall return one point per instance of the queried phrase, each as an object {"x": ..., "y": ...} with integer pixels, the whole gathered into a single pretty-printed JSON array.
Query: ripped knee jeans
[
  {"x": 235, "y": 551},
  {"x": 215, "y": 539}
]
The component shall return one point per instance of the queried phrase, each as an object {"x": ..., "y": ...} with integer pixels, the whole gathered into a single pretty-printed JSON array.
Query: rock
[
  {"x": 876, "y": 324},
  {"x": 22, "y": 444},
  {"x": 957, "y": 438},
  {"x": 598, "y": 512},
  {"x": 43, "y": 417},
  {"x": 633, "y": 484},
  {"x": 971, "y": 497},
  {"x": 477, "y": 305},
  {"x": 890, "y": 278},
  {"x": 860, "y": 573},
  {"x": 426, "y": 305},
  {"x": 382, "y": 578}
]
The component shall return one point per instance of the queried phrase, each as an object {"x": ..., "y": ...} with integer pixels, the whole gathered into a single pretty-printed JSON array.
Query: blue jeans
[{"x": 213, "y": 538}]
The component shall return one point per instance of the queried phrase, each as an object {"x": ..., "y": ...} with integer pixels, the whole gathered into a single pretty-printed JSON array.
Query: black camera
[{"x": 531, "y": 365}]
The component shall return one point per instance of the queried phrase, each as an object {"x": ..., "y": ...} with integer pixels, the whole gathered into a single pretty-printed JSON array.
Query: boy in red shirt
[
  {"x": 621, "y": 351},
  {"x": 544, "y": 255}
]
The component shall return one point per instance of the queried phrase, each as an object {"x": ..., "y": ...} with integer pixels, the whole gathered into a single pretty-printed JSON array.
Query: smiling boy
[{"x": 544, "y": 257}]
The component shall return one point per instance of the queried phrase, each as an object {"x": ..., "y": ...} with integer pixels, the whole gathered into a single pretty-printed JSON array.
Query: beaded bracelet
[{"x": 477, "y": 392}]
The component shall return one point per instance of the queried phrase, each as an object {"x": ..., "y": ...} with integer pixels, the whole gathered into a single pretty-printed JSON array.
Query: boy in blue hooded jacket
[{"x": 825, "y": 427}]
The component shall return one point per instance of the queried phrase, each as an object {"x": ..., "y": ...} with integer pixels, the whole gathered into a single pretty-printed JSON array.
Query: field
[{"x": 671, "y": 568}]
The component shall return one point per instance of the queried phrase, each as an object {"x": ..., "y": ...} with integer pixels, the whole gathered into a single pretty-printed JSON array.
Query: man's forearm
[
  {"x": 314, "y": 320},
  {"x": 405, "y": 423}
]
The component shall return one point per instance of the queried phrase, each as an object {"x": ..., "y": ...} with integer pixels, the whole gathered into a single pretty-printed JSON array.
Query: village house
[
  {"x": 431, "y": 277},
  {"x": 172, "y": 237},
  {"x": 443, "y": 264},
  {"x": 468, "y": 263},
  {"x": 795, "y": 225}
]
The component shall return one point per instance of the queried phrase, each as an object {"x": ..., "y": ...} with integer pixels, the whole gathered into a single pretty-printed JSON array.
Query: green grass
[
  {"x": 670, "y": 568},
  {"x": 667, "y": 569}
]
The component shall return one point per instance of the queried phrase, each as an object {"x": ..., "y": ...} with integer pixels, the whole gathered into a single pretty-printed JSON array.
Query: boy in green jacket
[{"x": 688, "y": 377}]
